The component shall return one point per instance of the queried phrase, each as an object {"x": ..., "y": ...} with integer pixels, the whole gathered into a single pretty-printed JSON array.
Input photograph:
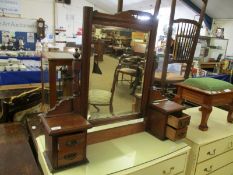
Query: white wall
[
  {"x": 70, "y": 16},
  {"x": 227, "y": 24},
  {"x": 39, "y": 9}
]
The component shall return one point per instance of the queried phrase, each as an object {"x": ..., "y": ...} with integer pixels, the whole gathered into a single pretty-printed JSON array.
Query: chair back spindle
[{"x": 187, "y": 32}]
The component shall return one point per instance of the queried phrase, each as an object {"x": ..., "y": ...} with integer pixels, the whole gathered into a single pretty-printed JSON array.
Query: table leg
[
  {"x": 206, "y": 110},
  {"x": 229, "y": 116}
]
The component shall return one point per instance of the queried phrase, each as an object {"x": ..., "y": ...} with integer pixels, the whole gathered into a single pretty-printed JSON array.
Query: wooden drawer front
[
  {"x": 178, "y": 122},
  {"x": 214, "y": 163},
  {"x": 229, "y": 143},
  {"x": 65, "y": 158},
  {"x": 213, "y": 149},
  {"x": 175, "y": 134},
  {"x": 227, "y": 170},
  {"x": 171, "y": 166},
  {"x": 71, "y": 142}
]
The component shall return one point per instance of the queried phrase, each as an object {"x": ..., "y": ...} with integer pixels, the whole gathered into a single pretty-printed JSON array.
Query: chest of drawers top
[{"x": 219, "y": 128}]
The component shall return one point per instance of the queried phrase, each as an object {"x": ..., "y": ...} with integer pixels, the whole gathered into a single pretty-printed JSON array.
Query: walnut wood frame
[{"x": 127, "y": 19}]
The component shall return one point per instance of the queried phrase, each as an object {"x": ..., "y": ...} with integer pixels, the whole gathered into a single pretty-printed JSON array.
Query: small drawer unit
[
  {"x": 65, "y": 140},
  {"x": 166, "y": 120}
]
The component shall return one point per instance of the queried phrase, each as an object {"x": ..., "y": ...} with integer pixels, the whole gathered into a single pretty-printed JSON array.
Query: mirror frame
[{"x": 127, "y": 19}]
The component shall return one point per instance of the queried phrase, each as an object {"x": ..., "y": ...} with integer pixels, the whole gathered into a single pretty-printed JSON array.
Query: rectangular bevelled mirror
[
  {"x": 118, "y": 60},
  {"x": 116, "y": 72}
]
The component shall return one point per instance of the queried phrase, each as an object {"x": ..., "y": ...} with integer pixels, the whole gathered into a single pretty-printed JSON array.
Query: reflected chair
[
  {"x": 132, "y": 66},
  {"x": 17, "y": 107},
  {"x": 126, "y": 66},
  {"x": 186, "y": 38},
  {"x": 100, "y": 97}
]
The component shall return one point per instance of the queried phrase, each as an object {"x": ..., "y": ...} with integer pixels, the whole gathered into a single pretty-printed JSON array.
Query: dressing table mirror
[
  {"x": 117, "y": 67},
  {"x": 117, "y": 64}
]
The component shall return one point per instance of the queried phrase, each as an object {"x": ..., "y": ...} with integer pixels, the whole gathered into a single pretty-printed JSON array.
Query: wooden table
[
  {"x": 7, "y": 91},
  {"x": 211, "y": 65},
  {"x": 206, "y": 99},
  {"x": 15, "y": 153}
]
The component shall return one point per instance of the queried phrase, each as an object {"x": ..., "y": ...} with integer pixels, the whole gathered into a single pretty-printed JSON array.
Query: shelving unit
[{"x": 211, "y": 47}]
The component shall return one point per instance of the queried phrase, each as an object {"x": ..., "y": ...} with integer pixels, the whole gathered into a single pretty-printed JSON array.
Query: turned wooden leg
[
  {"x": 229, "y": 116},
  {"x": 206, "y": 110}
]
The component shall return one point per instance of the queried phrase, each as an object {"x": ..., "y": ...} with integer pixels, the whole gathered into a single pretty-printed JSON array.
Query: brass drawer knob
[
  {"x": 211, "y": 153},
  {"x": 72, "y": 143},
  {"x": 210, "y": 169},
  {"x": 170, "y": 172},
  {"x": 70, "y": 156},
  {"x": 230, "y": 145}
]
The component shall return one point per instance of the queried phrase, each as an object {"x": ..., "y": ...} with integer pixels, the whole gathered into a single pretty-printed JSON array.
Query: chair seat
[
  {"x": 99, "y": 97},
  {"x": 170, "y": 76},
  {"x": 128, "y": 71}
]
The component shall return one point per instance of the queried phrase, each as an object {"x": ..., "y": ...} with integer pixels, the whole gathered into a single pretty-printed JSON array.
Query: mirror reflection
[{"x": 117, "y": 70}]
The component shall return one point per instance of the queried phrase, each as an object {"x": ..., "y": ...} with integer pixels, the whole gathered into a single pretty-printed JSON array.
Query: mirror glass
[{"x": 116, "y": 71}]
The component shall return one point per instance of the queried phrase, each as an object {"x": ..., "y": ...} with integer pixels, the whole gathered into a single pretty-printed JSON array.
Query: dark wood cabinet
[
  {"x": 166, "y": 120},
  {"x": 65, "y": 140}
]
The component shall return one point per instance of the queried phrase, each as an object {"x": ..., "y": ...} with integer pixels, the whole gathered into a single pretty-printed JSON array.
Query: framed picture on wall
[{"x": 220, "y": 32}]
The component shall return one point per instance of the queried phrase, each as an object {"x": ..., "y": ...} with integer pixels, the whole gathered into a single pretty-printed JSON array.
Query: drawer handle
[
  {"x": 70, "y": 156},
  {"x": 230, "y": 145},
  {"x": 72, "y": 143},
  {"x": 167, "y": 173},
  {"x": 209, "y": 170},
  {"x": 211, "y": 153}
]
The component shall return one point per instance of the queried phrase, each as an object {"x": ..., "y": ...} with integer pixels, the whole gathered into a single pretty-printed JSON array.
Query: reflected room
[{"x": 116, "y": 71}]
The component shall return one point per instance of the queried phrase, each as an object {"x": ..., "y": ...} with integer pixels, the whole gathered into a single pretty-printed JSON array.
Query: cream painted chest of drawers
[
  {"x": 137, "y": 154},
  {"x": 212, "y": 150}
]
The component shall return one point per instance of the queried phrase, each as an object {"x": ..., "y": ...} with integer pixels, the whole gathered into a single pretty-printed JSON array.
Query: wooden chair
[
  {"x": 100, "y": 97},
  {"x": 187, "y": 34},
  {"x": 127, "y": 65}
]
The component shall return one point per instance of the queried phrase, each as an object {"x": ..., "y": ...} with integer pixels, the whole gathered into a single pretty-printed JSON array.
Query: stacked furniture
[
  {"x": 206, "y": 92},
  {"x": 182, "y": 48},
  {"x": 212, "y": 151}
]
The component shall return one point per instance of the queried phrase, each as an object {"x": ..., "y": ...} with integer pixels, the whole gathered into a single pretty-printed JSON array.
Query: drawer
[
  {"x": 176, "y": 134},
  {"x": 171, "y": 166},
  {"x": 216, "y": 148},
  {"x": 227, "y": 170},
  {"x": 65, "y": 158},
  {"x": 178, "y": 122},
  {"x": 71, "y": 142},
  {"x": 214, "y": 163}
]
